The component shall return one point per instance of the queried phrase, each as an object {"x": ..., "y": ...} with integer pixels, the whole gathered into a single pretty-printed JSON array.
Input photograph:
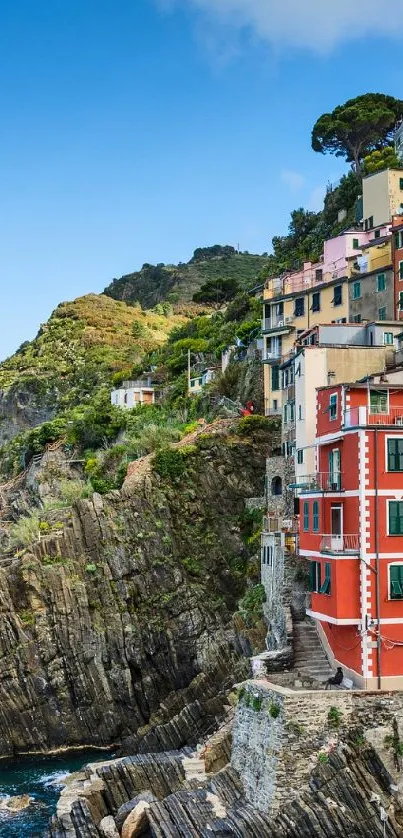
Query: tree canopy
[{"x": 357, "y": 128}]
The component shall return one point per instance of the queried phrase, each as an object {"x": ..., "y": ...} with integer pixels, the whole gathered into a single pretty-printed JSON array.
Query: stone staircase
[{"x": 309, "y": 656}]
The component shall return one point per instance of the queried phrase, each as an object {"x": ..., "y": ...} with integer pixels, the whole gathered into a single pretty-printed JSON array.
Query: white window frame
[
  {"x": 388, "y": 343},
  {"x": 369, "y": 402},
  {"x": 389, "y": 565},
  {"x": 390, "y": 436},
  {"x": 336, "y": 396}
]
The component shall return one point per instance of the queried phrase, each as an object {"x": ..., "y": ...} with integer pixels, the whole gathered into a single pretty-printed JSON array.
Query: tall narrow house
[{"x": 351, "y": 530}]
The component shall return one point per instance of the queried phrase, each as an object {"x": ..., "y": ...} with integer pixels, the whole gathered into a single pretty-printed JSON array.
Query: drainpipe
[{"x": 378, "y": 592}]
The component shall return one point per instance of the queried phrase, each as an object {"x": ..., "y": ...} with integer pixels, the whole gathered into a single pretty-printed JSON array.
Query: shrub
[
  {"x": 251, "y": 604},
  {"x": 251, "y": 424},
  {"x": 91, "y": 568},
  {"x": 170, "y": 463},
  {"x": 274, "y": 710},
  {"x": 71, "y": 491},
  {"x": 334, "y": 717},
  {"x": 25, "y": 532},
  {"x": 256, "y": 703}
]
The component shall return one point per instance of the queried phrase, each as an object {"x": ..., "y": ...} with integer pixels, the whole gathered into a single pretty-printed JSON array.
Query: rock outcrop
[{"x": 119, "y": 630}]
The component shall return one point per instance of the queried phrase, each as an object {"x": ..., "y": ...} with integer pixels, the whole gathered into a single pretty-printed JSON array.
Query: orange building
[
  {"x": 397, "y": 256},
  {"x": 351, "y": 530}
]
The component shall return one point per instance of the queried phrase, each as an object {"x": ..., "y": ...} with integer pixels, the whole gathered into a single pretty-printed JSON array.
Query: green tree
[
  {"x": 358, "y": 127},
  {"x": 217, "y": 291},
  {"x": 385, "y": 158}
]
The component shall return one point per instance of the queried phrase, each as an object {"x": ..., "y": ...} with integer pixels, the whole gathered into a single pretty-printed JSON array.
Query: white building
[{"x": 133, "y": 393}]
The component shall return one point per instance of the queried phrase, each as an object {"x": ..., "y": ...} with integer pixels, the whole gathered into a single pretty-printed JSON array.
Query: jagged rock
[
  {"x": 125, "y": 810},
  {"x": 137, "y": 822},
  {"x": 107, "y": 828},
  {"x": 121, "y": 629}
]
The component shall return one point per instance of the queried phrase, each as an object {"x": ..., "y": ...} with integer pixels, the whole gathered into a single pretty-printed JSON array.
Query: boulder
[
  {"x": 137, "y": 822},
  {"x": 16, "y": 804},
  {"x": 107, "y": 828},
  {"x": 124, "y": 811}
]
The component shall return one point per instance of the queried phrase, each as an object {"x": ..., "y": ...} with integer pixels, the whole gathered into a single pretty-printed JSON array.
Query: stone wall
[{"x": 280, "y": 735}]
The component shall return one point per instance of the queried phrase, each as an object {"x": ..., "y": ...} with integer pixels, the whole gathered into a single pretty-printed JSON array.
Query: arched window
[{"x": 277, "y": 486}]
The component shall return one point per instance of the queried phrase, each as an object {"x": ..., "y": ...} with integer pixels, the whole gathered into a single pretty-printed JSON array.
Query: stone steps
[{"x": 309, "y": 656}]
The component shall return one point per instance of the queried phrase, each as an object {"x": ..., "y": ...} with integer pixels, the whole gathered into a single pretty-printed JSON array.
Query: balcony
[
  {"x": 363, "y": 416},
  {"x": 272, "y": 355},
  {"x": 277, "y": 321},
  {"x": 343, "y": 543},
  {"x": 273, "y": 524},
  {"x": 320, "y": 482}
]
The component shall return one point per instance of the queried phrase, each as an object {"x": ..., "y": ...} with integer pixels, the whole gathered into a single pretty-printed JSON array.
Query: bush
[
  {"x": 71, "y": 491},
  {"x": 170, "y": 462},
  {"x": 249, "y": 425},
  {"x": 25, "y": 532},
  {"x": 251, "y": 605}
]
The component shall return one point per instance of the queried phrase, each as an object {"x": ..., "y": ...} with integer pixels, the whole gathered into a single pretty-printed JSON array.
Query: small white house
[
  {"x": 133, "y": 393},
  {"x": 197, "y": 382}
]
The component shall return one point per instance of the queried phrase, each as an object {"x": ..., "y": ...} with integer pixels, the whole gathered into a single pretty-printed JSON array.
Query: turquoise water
[{"x": 35, "y": 776}]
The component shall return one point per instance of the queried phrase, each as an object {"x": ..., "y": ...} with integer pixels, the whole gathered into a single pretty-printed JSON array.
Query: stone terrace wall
[{"x": 279, "y": 734}]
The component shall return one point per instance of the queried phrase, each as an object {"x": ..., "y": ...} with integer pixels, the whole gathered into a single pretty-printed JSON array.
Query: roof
[{"x": 363, "y": 385}]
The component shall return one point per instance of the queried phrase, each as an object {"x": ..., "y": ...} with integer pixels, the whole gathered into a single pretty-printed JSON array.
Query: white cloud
[
  {"x": 292, "y": 179},
  {"x": 317, "y": 25},
  {"x": 316, "y": 198}
]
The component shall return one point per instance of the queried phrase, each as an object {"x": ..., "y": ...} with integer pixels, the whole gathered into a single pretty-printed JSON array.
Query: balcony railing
[
  {"x": 344, "y": 543},
  {"x": 320, "y": 482},
  {"x": 358, "y": 416},
  {"x": 272, "y": 355}
]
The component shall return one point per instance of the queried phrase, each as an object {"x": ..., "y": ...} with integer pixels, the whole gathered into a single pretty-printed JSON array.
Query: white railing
[
  {"x": 358, "y": 416},
  {"x": 344, "y": 543}
]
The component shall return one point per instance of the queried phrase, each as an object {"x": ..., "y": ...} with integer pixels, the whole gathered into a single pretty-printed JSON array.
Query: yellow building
[
  {"x": 290, "y": 308},
  {"x": 382, "y": 196}
]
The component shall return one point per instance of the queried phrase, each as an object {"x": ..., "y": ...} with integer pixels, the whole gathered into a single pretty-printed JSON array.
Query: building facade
[
  {"x": 382, "y": 195},
  {"x": 397, "y": 259},
  {"x": 133, "y": 394},
  {"x": 351, "y": 530}
]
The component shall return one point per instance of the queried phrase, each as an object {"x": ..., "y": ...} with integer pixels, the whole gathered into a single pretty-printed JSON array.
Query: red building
[
  {"x": 397, "y": 255},
  {"x": 351, "y": 530}
]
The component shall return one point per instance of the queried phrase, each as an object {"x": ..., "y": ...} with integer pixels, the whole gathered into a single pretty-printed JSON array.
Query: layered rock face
[{"x": 120, "y": 629}]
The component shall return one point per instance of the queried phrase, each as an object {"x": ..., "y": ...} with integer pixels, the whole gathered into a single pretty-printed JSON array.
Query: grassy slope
[
  {"x": 178, "y": 283},
  {"x": 92, "y": 334}
]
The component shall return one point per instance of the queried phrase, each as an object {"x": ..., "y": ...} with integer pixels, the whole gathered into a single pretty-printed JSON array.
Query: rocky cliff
[{"x": 116, "y": 626}]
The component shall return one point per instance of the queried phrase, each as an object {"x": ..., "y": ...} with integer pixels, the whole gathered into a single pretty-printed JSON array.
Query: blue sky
[{"x": 138, "y": 130}]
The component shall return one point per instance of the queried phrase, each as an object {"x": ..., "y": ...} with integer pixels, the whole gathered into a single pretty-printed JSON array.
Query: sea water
[{"x": 42, "y": 778}]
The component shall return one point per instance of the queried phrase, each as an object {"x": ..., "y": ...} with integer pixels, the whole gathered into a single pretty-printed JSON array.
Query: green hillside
[{"x": 178, "y": 283}]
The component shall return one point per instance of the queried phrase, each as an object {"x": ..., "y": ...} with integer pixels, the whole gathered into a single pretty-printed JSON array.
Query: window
[
  {"x": 299, "y": 307},
  {"x": 357, "y": 318},
  {"x": 285, "y": 414},
  {"x": 275, "y": 378},
  {"x": 334, "y": 470},
  {"x": 300, "y": 456},
  {"x": 378, "y": 401},
  {"x": 315, "y": 516},
  {"x": 401, "y": 270},
  {"x": 370, "y": 222},
  {"x": 382, "y": 313},
  {"x": 377, "y": 234},
  {"x": 326, "y": 587},
  {"x": 338, "y": 295},
  {"x": 399, "y": 240},
  {"x": 401, "y": 183},
  {"x": 314, "y": 576},
  {"x": 356, "y": 290},
  {"x": 318, "y": 274},
  {"x": 333, "y": 407},
  {"x": 192, "y": 383},
  {"x": 275, "y": 404},
  {"x": 396, "y": 581},
  {"x": 300, "y": 411},
  {"x": 306, "y": 516},
  {"x": 388, "y": 338},
  {"x": 356, "y": 244},
  {"x": 400, "y": 302},
  {"x": 395, "y": 454},
  {"x": 381, "y": 282},
  {"x": 280, "y": 309},
  {"x": 395, "y": 517},
  {"x": 316, "y": 301},
  {"x": 277, "y": 486},
  {"x": 292, "y": 411}
]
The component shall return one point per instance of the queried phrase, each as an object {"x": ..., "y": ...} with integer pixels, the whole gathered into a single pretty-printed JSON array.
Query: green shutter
[
  {"x": 312, "y": 576},
  {"x": 396, "y": 581},
  {"x": 395, "y": 517},
  {"x": 401, "y": 271},
  {"x": 395, "y": 454},
  {"x": 306, "y": 516},
  {"x": 401, "y": 182},
  {"x": 325, "y": 588},
  {"x": 315, "y": 516}
]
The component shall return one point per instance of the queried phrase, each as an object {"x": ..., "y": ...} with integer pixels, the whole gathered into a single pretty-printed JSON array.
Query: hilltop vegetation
[{"x": 154, "y": 284}]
